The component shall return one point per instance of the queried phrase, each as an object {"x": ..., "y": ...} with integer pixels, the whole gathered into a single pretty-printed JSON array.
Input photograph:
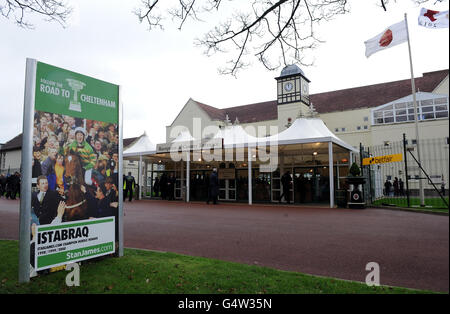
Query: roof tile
[{"x": 344, "y": 99}]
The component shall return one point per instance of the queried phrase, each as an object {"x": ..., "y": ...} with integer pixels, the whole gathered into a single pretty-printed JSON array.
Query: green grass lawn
[
  {"x": 142, "y": 271},
  {"x": 431, "y": 204}
]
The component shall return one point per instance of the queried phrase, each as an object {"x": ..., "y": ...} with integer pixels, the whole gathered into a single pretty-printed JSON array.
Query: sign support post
[
  {"x": 25, "y": 186},
  {"x": 120, "y": 187}
]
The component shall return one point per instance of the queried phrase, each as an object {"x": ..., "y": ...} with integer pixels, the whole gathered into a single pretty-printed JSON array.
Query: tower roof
[{"x": 291, "y": 70}]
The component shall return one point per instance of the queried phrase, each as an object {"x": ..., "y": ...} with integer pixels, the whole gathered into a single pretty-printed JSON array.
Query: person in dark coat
[
  {"x": 111, "y": 190},
  {"x": 129, "y": 186},
  {"x": 156, "y": 187},
  {"x": 171, "y": 181},
  {"x": 396, "y": 187},
  {"x": 213, "y": 187},
  {"x": 45, "y": 202},
  {"x": 286, "y": 181},
  {"x": 13, "y": 186},
  {"x": 108, "y": 202},
  {"x": 163, "y": 186},
  {"x": 8, "y": 185},
  {"x": 2, "y": 184},
  {"x": 387, "y": 187},
  {"x": 101, "y": 204},
  {"x": 36, "y": 170}
]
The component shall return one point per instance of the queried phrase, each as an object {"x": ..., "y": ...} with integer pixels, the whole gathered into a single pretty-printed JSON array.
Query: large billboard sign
[{"x": 71, "y": 169}]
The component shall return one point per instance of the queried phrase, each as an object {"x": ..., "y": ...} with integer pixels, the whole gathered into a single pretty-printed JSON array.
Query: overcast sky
[{"x": 160, "y": 70}]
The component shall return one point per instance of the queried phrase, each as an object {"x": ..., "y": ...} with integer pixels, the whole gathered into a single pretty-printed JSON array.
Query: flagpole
[{"x": 413, "y": 86}]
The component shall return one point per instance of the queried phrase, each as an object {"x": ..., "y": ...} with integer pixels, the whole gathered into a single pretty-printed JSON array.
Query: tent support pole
[
  {"x": 140, "y": 177},
  {"x": 151, "y": 189},
  {"x": 188, "y": 176},
  {"x": 249, "y": 157},
  {"x": 281, "y": 173},
  {"x": 182, "y": 185},
  {"x": 331, "y": 176}
]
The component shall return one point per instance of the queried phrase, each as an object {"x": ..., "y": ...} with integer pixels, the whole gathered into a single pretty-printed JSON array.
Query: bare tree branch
[
  {"x": 147, "y": 14},
  {"x": 274, "y": 32},
  {"x": 52, "y": 10}
]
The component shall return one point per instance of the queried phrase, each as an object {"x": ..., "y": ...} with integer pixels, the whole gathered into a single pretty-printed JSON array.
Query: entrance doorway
[
  {"x": 311, "y": 184},
  {"x": 227, "y": 182},
  {"x": 261, "y": 185},
  {"x": 165, "y": 189},
  {"x": 199, "y": 184},
  {"x": 227, "y": 189}
]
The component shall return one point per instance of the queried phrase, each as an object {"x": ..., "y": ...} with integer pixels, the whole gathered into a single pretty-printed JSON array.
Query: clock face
[
  {"x": 305, "y": 88},
  {"x": 288, "y": 86}
]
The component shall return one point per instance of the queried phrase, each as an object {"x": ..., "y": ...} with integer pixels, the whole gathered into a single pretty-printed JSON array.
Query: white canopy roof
[
  {"x": 306, "y": 130},
  {"x": 302, "y": 131},
  {"x": 184, "y": 136},
  {"x": 235, "y": 135},
  {"x": 141, "y": 146}
]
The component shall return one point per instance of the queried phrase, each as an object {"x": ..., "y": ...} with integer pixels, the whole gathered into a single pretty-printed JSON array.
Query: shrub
[{"x": 354, "y": 170}]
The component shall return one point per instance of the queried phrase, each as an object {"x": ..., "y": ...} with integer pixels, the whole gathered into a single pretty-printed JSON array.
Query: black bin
[{"x": 341, "y": 198}]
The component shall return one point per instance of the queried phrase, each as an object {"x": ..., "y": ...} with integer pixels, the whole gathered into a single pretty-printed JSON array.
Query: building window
[
  {"x": 387, "y": 143},
  {"x": 343, "y": 129},
  {"x": 358, "y": 127},
  {"x": 366, "y": 118},
  {"x": 427, "y": 109},
  {"x": 366, "y": 127},
  {"x": 414, "y": 142},
  {"x": 336, "y": 130}
]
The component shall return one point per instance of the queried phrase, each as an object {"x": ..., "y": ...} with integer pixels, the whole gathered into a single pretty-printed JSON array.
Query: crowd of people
[
  {"x": 396, "y": 188},
  {"x": 9, "y": 185},
  {"x": 164, "y": 186}
]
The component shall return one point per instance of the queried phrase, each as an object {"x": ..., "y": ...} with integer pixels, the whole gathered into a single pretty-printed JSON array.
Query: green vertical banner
[
  {"x": 69, "y": 93},
  {"x": 71, "y": 207}
]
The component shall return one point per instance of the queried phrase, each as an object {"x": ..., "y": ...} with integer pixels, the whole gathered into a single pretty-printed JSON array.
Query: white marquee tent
[{"x": 301, "y": 131}]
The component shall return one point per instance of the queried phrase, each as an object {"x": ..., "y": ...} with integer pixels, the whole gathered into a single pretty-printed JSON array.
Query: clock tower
[
  {"x": 292, "y": 95},
  {"x": 292, "y": 86}
]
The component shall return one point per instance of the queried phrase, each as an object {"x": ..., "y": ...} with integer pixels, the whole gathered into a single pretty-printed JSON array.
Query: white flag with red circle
[
  {"x": 433, "y": 19},
  {"x": 391, "y": 36}
]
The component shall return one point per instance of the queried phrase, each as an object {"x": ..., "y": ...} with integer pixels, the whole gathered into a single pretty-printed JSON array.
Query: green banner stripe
[
  {"x": 75, "y": 225},
  {"x": 77, "y": 254},
  {"x": 65, "y": 92}
]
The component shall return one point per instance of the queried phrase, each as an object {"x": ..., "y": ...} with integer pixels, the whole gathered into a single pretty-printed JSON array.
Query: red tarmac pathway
[{"x": 412, "y": 249}]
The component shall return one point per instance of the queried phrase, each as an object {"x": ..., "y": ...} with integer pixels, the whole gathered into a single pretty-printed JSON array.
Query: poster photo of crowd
[
  {"x": 74, "y": 161},
  {"x": 74, "y": 170}
]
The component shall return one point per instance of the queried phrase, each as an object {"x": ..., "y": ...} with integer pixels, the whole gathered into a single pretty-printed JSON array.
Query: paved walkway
[{"x": 412, "y": 249}]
